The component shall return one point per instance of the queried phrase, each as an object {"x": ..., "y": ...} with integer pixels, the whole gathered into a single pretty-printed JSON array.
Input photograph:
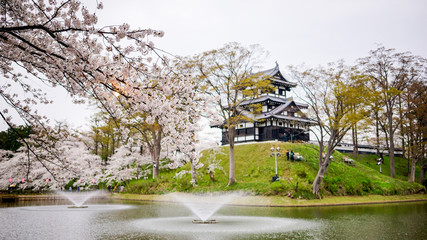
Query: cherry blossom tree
[
  {"x": 69, "y": 159},
  {"x": 166, "y": 114},
  {"x": 57, "y": 43},
  {"x": 125, "y": 164}
]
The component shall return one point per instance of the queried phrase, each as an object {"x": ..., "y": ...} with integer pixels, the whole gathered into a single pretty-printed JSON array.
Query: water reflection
[{"x": 105, "y": 219}]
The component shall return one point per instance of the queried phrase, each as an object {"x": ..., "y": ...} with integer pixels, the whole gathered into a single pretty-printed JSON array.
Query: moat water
[{"x": 111, "y": 219}]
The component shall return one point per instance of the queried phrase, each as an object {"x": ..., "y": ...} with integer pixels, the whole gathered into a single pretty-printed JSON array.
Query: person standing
[
  {"x": 287, "y": 155},
  {"x": 292, "y": 156}
]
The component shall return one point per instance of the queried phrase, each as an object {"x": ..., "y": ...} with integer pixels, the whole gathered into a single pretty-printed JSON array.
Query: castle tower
[{"x": 281, "y": 118}]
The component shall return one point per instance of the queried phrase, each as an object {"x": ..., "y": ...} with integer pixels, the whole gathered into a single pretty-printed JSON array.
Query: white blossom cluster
[
  {"x": 69, "y": 159},
  {"x": 58, "y": 43},
  {"x": 164, "y": 114},
  {"x": 125, "y": 164}
]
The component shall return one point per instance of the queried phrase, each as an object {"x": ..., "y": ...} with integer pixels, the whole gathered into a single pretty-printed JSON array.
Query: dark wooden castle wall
[{"x": 271, "y": 133}]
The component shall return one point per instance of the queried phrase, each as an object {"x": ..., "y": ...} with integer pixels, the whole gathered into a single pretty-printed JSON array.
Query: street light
[
  {"x": 154, "y": 168},
  {"x": 275, "y": 153},
  {"x": 380, "y": 161}
]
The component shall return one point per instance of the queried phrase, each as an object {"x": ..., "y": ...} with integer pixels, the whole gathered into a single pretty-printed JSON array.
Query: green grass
[
  {"x": 401, "y": 165},
  {"x": 286, "y": 201},
  {"x": 255, "y": 168}
]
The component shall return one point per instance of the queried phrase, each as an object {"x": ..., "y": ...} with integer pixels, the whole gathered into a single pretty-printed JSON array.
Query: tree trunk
[
  {"x": 193, "y": 172},
  {"x": 377, "y": 132},
  {"x": 409, "y": 153},
  {"x": 113, "y": 145},
  {"x": 321, "y": 149},
  {"x": 405, "y": 152},
  {"x": 387, "y": 142},
  {"x": 96, "y": 144},
  {"x": 423, "y": 169},
  {"x": 423, "y": 160},
  {"x": 320, "y": 174},
  {"x": 231, "y": 176},
  {"x": 211, "y": 176},
  {"x": 412, "y": 145},
  {"x": 391, "y": 145},
  {"x": 413, "y": 167},
  {"x": 193, "y": 166},
  {"x": 355, "y": 142},
  {"x": 155, "y": 152},
  {"x": 415, "y": 152}
]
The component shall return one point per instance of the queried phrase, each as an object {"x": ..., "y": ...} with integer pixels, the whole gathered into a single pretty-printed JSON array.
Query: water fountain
[
  {"x": 204, "y": 206},
  {"x": 79, "y": 198},
  {"x": 207, "y": 220}
]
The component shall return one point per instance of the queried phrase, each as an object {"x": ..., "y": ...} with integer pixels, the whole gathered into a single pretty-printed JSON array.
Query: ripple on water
[
  {"x": 96, "y": 207},
  {"x": 225, "y": 224}
]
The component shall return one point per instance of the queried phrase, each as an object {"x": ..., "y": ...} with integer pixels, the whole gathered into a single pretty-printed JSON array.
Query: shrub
[
  {"x": 304, "y": 190},
  {"x": 279, "y": 187},
  {"x": 143, "y": 187},
  {"x": 366, "y": 185},
  {"x": 184, "y": 184},
  {"x": 332, "y": 184}
]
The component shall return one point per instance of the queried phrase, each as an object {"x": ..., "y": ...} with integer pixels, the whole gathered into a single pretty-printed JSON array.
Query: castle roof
[
  {"x": 277, "y": 77},
  {"x": 290, "y": 118},
  {"x": 277, "y": 112},
  {"x": 272, "y": 99}
]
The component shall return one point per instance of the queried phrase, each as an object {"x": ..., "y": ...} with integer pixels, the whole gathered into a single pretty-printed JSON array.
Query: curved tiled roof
[
  {"x": 272, "y": 99},
  {"x": 305, "y": 120},
  {"x": 277, "y": 77}
]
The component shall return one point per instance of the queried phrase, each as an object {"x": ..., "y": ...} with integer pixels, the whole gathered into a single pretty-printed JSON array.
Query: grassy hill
[{"x": 255, "y": 168}]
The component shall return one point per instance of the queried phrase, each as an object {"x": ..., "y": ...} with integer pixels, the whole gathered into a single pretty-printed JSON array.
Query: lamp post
[
  {"x": 275, "y": 153},
  {"x": 380, "y": 161},
  {"x": 154, "y": 168}
]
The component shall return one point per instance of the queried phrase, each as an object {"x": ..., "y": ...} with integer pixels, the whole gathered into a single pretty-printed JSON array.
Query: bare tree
[
  {"x": 331, "y": 94},
  {"x": 391, "y": 73},
  {"x": 227, "y": 73},
  {"x": 416, "y": 127}
]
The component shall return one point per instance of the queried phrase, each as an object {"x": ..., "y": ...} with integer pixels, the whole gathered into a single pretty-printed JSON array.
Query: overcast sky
[
  {"x": 294, "y": 32},
  {"x": 314, "y": 32}
]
